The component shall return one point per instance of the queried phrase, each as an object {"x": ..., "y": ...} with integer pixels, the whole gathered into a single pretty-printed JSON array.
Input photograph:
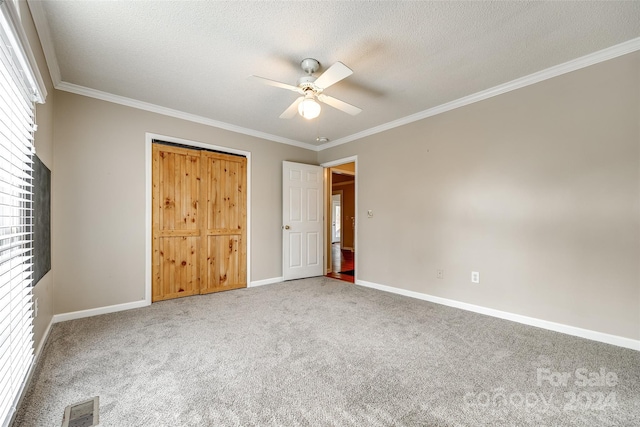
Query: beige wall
[
  {"x": 537, "y": 189},
  {"x": 99, "y": 198},
  {"x": 43, "y": 291}
]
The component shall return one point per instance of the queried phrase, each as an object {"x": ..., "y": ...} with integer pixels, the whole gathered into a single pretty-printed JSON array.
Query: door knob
[{"x": 286, "y": 227}]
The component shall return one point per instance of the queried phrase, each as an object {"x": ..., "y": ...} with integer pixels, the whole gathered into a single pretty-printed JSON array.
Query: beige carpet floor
[{"x": 319, "y": 352}]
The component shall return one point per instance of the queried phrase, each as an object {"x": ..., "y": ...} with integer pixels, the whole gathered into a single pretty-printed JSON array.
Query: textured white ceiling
[{"x": 194, "y": 56}]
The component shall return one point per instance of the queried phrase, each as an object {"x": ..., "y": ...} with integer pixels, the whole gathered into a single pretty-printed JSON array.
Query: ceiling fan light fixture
[
  {"x": 309, "y": 108},
  {"x": 312, "y": 88}
]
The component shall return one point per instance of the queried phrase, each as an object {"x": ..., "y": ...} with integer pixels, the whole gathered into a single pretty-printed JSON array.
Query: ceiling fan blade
[
  {"x": 292, "y": 110},
  {"x": 340, "y": 105},
  {"x": 275, "y": 83},
  {"x": 334, "y": 74}
]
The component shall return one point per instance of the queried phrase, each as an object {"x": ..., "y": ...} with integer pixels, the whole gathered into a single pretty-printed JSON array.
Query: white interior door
[
  {"x": 336, "y": 218},
  {"x": 302, "y": 220}
]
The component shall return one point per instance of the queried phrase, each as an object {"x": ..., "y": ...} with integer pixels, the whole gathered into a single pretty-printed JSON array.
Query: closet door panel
[
  {"x": 176, "y": 223},
  {"x": 225, "y": 198}
]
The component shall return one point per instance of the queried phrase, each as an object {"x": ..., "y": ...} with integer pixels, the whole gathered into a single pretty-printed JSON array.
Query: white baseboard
[
  {"x": 266, "y": 282},
  {"x": 43, "y": 341},
  {"x": 63, "y": 317},
  {"x": 531, "y": 321}
]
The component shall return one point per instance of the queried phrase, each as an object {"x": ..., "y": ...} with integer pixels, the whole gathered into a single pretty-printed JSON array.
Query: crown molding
[
  {"x": 44, "y": 34},
  {"x": 557, "y": 70},
  {"x": 134, "y": 103}
]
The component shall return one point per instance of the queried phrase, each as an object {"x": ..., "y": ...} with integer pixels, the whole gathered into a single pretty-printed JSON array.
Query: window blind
[{"x": 17, "y": 96}]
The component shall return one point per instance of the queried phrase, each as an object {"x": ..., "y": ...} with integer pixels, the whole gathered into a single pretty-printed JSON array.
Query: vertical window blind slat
[{"x": 16, "y": 219}]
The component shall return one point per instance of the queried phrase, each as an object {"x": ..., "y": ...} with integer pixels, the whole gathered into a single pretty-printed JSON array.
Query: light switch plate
[{"x": 370, "y": 213}]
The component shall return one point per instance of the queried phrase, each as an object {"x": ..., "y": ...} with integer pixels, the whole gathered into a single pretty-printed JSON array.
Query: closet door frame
[{"x": 149, "y": 138}]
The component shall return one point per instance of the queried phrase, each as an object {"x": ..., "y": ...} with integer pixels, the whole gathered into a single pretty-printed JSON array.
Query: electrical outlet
[
  {"x": 370, "y": 213},
  {"x": 475, "y": 277},
  {"x": 439, "y": 273}
]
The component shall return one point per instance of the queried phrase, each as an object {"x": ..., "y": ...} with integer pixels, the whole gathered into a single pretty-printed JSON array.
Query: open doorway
[{"x": 342, "y": 225}]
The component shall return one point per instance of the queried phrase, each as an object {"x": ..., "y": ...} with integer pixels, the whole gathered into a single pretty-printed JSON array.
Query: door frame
[
  {"x": 149, "y": 137},
  {"x": 327, "y": 221}
]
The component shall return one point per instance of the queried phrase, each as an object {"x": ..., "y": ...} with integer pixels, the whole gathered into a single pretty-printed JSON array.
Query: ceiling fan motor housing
[
  {"x": 310, "y": 65},
  {"x": 306, "y": 83}
]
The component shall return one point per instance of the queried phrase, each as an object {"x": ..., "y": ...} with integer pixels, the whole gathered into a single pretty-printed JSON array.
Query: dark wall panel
[{"x": 42, "y": 220}]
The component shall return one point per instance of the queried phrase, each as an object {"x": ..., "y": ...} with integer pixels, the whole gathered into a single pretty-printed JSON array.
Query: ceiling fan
[{"x": 312, "y": 89}]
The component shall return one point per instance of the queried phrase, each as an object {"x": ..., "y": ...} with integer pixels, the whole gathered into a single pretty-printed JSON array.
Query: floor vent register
[{"x": 83, "y": 414}]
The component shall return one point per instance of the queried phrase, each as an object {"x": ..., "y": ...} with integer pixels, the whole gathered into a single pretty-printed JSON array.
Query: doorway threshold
[{"x": 342, "y": 276}]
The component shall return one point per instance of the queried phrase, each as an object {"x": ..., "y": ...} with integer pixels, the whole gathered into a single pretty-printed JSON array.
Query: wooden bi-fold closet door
[
  {"x": 224, "y": 230},
  {"x": 199, "y": 222}
]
